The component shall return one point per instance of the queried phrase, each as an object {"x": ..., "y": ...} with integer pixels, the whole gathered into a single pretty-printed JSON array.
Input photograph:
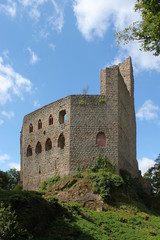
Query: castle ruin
[{"x": 72, "y": 132}]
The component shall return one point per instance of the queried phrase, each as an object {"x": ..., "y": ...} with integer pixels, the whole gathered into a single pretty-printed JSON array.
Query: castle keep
[{"x": 72, "y": 132}]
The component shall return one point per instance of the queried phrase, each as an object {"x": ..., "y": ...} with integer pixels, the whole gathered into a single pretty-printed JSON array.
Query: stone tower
[{"x": 72, "y": 132}]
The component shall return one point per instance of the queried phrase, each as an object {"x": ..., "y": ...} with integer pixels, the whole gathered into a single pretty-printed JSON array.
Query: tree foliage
[
  {"x": 9, "y": 179},
  {"x": 14, "y": 178},
  {"x": 158, "y": 159},
  {"x": 3, "y": 180},
  {"x": 9, "y": 226},
  {"x": 154, "y": 175},
  {"x": 146, "y": 31}
]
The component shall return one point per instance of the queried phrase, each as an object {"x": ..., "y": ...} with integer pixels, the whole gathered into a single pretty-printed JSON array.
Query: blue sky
[{"x": 50, "y": 49}]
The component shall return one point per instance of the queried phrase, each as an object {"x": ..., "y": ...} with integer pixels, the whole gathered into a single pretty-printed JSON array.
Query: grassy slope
[
  {"x": 127, "y": 222},
  {"x": 70, "y": 221},
  {"x": 126, "y": 219}
]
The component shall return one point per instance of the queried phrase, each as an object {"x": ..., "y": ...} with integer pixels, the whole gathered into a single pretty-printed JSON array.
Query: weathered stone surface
[
  {"x": 82, "y": 193},
  {"x": 71, "y": 141}
]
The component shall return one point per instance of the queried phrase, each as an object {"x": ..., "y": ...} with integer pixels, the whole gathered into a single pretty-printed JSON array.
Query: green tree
[
  {"x": 9, "y": 179},
  {"x": 158, "y": 159},
  {"x": 154, "y": 175},
  {"x": 146, "y": 31},
  {"x": 4, "y": 178},
  {"x": 13, "y": 178}
]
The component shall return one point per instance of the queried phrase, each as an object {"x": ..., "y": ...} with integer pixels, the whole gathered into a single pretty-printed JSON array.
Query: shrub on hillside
[
  {"x": 104, "y": 179},
  {"x": 104, "y": 164},
  {"x": 32, "y": 210},
  {"x": 133, "y": 188},
  {"x": 10, "y": 228},
  {"x": 47, "y": 184}
]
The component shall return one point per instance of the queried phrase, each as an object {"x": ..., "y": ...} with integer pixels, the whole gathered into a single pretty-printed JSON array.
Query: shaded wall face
[
  {"x": 90, "y": 115},
  {"x": 117, "y": 84},
  {"x": 53, "y": 157},
  {"x": 127, "y": 129}
]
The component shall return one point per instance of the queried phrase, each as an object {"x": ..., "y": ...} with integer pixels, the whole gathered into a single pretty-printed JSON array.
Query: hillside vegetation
[{"x": 93, "y": 205}]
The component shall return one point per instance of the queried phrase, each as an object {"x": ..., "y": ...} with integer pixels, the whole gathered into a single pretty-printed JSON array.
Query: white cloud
[
  {"x": 52, "y": 46},
  {"x": 141, "y": 60},
  {"x": 44, "y": 34},
  {"x": 4, "y": 158},
  {"x": 6, "y": 54},
  {"x": 94, "y": 18},
  {"x": 9, "y": 114},
  {"x": 35, "y": 14},
  {"x": 14, "y": 165},
  {"x": 118, "y": 59},
  {"x": 34, "y": 57},
  {"x": 148, "y": 111},
  {"x": 31, "y": 3},
  {"x": 56, "y": 20},
  {"x": 9, "y": 8},
  {"x": 11, "y": 83},
  {"x": 49, "y": 12},
  {"x": 36, "y": 104},
  {"x": 1, "y": 121},
  {"x": 145, "y": 164}
]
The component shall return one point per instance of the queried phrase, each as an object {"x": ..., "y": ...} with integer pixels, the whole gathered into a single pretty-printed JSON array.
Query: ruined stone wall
[
  {"x": 125, "y": 161},
  {"x": 109, "y": 88},
  {"x": 94, "y": 125},
  {"x": 117, "y": 84},
  {"x": 38, "y": 167},
  {"x": 126, "y": 120},
  {"x": 89, "y": 117}
]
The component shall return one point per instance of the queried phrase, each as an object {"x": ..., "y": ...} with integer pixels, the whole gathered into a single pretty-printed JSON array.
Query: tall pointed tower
[{"x": 117, "y": 83}]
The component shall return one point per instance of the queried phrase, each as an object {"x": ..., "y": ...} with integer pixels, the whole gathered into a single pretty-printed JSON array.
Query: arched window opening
[
  {"x": 48, "y": 145},
  {"x": 50, "y": 120},
  {"x": 29, "y": 151},
  {"x": 62, "y": 116},
  {"x": 30, "y": 128},
  {"x": 101, "y": 139},
  {"x": 61, "y": 141},
  {"x": 38, "y": 148},
  {"x": 39, "y": 124}
]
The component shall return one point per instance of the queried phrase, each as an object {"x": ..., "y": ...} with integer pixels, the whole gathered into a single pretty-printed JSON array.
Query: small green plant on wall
[
  {"x": 81, "y": 101},
  {"x": 101, "y": 99}
]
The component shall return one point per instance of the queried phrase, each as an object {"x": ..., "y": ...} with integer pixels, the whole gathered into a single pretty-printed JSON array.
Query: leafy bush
[
  {"x": 133, "y": 188},
  {"x": 126, "y": 177},
  {"x": 78, "y": 173},
  {"x": 18, "y": 187},
  {"x": 105, "y": 183},
  {"x": 47, "y": 184},
  {"x": 103, "y": 163},
  {"x": 104, "y": 179},
  {"x": 32, "y": 210},
  {"x": 9, "y": 226}
]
